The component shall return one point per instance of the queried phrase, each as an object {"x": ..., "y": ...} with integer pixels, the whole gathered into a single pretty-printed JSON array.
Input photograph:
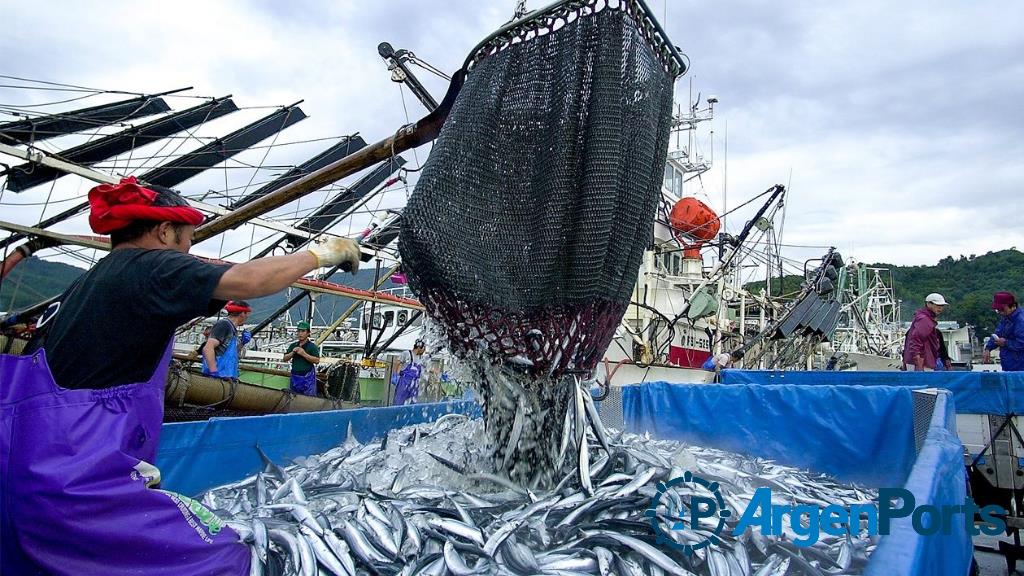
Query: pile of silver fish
[{"x": 420, "y": 501}]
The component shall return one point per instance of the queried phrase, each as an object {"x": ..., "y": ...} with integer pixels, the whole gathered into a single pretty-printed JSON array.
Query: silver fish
[
  {"x": 570, "y": 562},
  {"x": 460, "y": 529},
  {"x": 514, "y": 435},
  {"x": 377, "y": 509},
  {"x": 341, "y": 551},
  {"x": 649, "y": 552},
  {"x": 583, "y": 467},
  {"x": 261, "y": 539},
  {"x": 498, "y": 536},
  {"x": 361, "y": 546},
  {"x": 454, "y": 562},
  {"x": 255, "y": 564},
  {"x": 288, "y": 541},
  {"x": 382, "y": 535},
  {"x": 307, "y": 557},
  {"x": 605, "y": 560},
  {"x": 323, "y": 553},
  {"x": 635, "y": 484}
]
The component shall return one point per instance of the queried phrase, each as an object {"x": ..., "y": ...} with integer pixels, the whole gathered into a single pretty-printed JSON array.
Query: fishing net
[{"x": 528, "y": 224}]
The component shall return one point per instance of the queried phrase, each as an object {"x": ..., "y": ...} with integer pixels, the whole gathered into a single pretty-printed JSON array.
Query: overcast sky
[{"x": 899, "y": 126}]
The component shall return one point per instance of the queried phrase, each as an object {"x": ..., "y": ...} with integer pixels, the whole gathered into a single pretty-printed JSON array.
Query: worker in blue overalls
[{"x": 223, "y": 347}]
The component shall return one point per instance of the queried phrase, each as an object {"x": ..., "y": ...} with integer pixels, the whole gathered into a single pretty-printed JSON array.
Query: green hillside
[
  {"x": 34, "y": 280},
  {"x": 967, "y": 282}
]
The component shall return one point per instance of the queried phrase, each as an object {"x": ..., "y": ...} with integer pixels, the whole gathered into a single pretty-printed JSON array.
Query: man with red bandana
[
  {"x": 82, "y": 409},
  {"x": 222, "y": 349},
  {"x": 1009, "y": 334}
]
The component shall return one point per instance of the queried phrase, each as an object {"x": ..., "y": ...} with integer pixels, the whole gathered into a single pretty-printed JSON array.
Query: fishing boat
[
  {"x": 689, "y": 302},
  {"x": 691, "y": 299}
]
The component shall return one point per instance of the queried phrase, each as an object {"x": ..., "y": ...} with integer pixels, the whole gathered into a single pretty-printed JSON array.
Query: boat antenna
[{"x": 725, "y": 178}]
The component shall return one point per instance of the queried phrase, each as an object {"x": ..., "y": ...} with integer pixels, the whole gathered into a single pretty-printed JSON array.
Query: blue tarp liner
[
  {"x": 996, "y": 393},
  {"x": 857, "y": 433},
  {"x": 862, "y": 434},
  {"x": 195, "y": 456},
  {"x": 937, "y": 478}
]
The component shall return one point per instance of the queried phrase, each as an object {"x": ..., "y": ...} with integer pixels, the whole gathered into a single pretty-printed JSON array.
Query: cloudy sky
[{"x": 898, "y": 126}]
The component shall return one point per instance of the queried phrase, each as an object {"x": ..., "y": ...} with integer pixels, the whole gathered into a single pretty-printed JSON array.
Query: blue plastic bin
[
  {"x": 196, "y": 456},
  {"x": 856, "y": 433},
  {"x": 997, "y": 393}
]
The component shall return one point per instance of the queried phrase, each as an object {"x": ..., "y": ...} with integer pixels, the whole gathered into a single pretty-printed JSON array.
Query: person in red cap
[
  {"x": 83, "y": 407},
  {"x": 1009, "y": 335},
  {"x": 222, "y": 349},
  {"x": 149, "y": 275}
]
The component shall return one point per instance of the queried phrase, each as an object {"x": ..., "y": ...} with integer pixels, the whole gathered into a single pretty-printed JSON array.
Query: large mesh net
[{"x": 527, "y": 226}]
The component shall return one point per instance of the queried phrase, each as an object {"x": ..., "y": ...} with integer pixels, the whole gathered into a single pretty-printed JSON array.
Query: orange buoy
[{"x": 695, "y": 219}]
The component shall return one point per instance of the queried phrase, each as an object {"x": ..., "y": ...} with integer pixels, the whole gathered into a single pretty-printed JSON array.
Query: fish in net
[{"x": 528, "y": 224}]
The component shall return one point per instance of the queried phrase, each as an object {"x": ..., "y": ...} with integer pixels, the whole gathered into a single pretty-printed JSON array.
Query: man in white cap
[
  {"x": 921, "y": 347},
  {"x": 407, "y": 383}
]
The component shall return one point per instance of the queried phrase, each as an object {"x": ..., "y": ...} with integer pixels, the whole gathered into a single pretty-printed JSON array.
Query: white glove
[{"x": 334, "y": 251}]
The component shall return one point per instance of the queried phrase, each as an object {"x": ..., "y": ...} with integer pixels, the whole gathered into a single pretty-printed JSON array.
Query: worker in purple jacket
[
  {"x": 921, "y": 347},
  {"x": 1009, "y": 335},
  {"x": 82, "y": 410}
]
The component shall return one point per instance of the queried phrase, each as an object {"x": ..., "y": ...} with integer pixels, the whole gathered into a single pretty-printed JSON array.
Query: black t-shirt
[
  {"x": 223, "y": 331},
  {"x": 114, "y": 324}
]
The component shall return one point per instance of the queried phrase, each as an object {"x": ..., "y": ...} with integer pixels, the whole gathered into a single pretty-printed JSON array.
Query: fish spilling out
[
  {"x": 422, "y": 500},
  {"x": 536, "y": 426}
]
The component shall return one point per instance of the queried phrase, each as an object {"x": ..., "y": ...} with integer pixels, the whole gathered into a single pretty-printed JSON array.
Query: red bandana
[
  {"x": 235, "y": 308},
  {"x": 114, "y": 206}
]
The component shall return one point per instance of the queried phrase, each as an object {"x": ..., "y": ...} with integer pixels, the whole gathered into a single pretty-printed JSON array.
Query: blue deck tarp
[
  {"x": 996, "y": 393},
  {"x": 196, "y": 456},
  {"x": 856, "y": 433},
  {"x": 861, "y": 435}
]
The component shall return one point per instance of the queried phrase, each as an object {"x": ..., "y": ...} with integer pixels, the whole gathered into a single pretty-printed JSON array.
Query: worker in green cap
[{"x": 303, "y": 354}]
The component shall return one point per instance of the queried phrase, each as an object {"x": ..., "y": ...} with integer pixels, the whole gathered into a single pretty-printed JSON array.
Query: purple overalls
[
  {"x": 304, "y": 383},
  {"x": 408, "y": 388},
  {"x": 74, "y": 470}
]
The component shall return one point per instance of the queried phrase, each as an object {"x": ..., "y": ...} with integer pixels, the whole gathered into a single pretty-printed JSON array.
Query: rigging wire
[
  {"x": 428, "y": 66},
  {"x": 204, "y": 139},
  {"x": 61, "y": 201},
  {"x": 74, "y": 253},
  {"x": 46, "y": 204},
  {"x": 260, "y": 167},
  {"x": 401, "y": 91},
  {"x": 3, "y": 188},
  {"x": 86, "y": 88},
  {"x": 191, "y": 134},
  {"x": 42, "y": 104},
  {"x": 62, "y": 85},
  {"x": 145, "y": 160}
]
